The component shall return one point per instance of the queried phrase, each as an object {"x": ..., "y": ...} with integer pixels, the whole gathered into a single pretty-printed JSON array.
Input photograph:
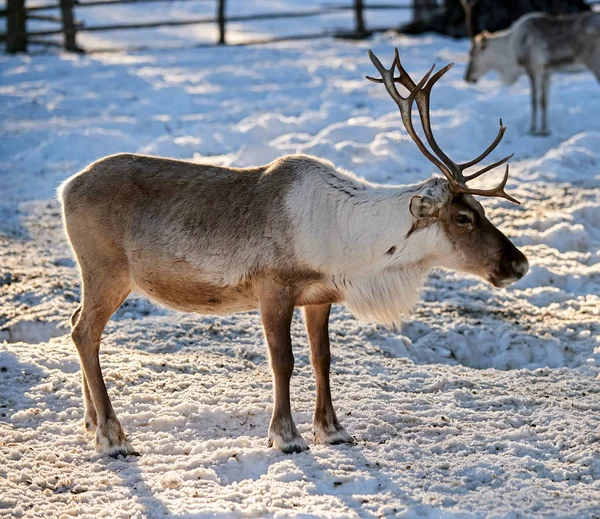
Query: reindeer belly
[
  {"x": 573, "y": 67},
  {"x": 189, "y": 293}
]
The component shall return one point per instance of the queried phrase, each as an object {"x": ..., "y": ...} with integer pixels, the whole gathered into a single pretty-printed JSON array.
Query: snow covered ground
[{"x": 486, "y": 403}]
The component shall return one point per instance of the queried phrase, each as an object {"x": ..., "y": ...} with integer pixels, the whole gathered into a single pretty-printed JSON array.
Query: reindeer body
[
  {"x": 200, "y": 238},
  {"x": 190, "y": 236},
  {"x": 538, "y": 45},
  {"x": 296, "y": 232}
]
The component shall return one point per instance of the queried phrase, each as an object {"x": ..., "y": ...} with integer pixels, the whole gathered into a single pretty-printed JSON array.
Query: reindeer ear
[
  {"x": 425, "y": 206},
  {"x": 482, "y": 38}
]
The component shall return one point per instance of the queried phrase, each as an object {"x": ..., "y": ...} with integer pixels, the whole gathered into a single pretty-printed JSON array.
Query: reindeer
[
  {"x": 537, "y": 44},
  {"x": 297, "y": 232}
]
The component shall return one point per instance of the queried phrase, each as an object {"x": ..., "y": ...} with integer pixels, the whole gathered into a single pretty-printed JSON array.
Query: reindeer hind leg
[
  {"x": 104, "y": 290},
  {"x": 90, "y": 420}
]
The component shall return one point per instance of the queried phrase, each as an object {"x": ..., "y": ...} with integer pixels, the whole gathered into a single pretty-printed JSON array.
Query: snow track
[{"x": 486, "y": 403}]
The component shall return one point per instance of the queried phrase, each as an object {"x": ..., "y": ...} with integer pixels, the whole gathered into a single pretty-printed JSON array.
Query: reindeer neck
[
  {"x": 346, "y": 226},
  {"x": 378, "y": 232},
  {"x": 504, "y": 60}
]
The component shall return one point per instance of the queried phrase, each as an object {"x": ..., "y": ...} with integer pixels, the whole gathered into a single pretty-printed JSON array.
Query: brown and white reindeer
[
  {"x": 537, "y": 44},
  {"x": 294, "y": 233}
]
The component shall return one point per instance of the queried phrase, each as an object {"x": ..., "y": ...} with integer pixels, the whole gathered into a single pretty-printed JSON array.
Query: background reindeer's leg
[
  {"x": 545, "y": 96},
  {"x": 534, "y": 101},
  {"x": 327, "y": 428},
  {"x": 592, "y": 61},
  {"x": 277, "y": 309},
  {"x": 102, "y": 296}
]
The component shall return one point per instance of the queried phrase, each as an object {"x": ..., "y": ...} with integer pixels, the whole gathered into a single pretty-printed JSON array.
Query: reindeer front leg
[
  {"x": 277, "y": 309},
  {"x": 545, "y": 94},
  {"x": 327, "y": 428},
  {"x": 534, "y": 81}
]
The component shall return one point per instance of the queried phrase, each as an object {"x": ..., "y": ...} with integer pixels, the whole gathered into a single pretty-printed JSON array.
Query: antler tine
[
  {"x": 405, "y": 80},
  {"x": 422, "y": 98},
  {"x": 467, "y": 178},
  {"x": 379, "y": 66},
  {"x": 487, "y": 151},
  {"x": 421, "y": 93},
  {"x": 405, "y": 103},
  {"x": 423, "y": 104},
  {"x": 496, "y": 191}
]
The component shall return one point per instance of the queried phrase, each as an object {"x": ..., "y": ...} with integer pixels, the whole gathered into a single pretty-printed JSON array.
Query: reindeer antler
[
  {"x": 467, "y": 6},
  {"x": 420, "y": 93}
]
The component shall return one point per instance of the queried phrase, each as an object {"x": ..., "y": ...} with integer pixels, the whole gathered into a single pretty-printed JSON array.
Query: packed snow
[{"x": 484, "y": 404}]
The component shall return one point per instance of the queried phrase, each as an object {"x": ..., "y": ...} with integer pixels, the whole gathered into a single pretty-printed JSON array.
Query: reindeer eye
[{"x": 463, "y": 219}]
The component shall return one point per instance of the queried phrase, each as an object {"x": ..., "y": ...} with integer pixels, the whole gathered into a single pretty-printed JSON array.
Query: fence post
[
  {"x": 16, "y": 27},
  {"x": 360, "y": 20},
  {"x": 66, "y": 8},
  {"x": 221, "y": 20}
]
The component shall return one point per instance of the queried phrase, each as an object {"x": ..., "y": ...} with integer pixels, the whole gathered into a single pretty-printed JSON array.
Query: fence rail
[{"x": 17, "y": 35}]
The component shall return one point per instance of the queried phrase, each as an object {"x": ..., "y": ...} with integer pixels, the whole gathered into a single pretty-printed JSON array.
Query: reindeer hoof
[
  {"x": 111, "y": 440},
  {"x": 284, "y": 436},
  {"x": 541, "y": 133},
  {"x": 332, "y": 435},
  {"x": 123, "y": 452},
  {"x": 124, "y": 448},
  {"x": 288, "y": 446}
]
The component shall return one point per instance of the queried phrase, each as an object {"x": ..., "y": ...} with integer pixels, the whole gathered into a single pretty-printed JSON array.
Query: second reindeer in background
[{"x": 538, "y": 44}]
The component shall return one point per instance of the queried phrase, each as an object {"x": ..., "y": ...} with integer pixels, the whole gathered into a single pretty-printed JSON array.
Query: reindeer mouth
[
  {"x": 504, "y": 278},
  {"x": 502, "y": 282}
]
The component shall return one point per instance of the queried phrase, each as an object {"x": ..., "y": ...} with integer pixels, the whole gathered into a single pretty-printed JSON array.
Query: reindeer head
[
  {"x": 480, "y": 58},
  {"x": 478, "y": 247}
]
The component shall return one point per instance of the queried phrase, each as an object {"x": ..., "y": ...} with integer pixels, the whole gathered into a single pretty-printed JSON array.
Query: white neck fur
[
  {"x": 346, "y": 228},
  {"x": 504, "y": 61}
]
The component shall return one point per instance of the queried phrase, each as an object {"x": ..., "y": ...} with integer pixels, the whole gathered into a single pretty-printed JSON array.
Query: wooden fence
[{"x": 17, "y": 35}]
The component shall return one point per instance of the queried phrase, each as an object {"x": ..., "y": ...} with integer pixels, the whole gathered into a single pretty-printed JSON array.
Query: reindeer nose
[{"x": 520, "y": 267}]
